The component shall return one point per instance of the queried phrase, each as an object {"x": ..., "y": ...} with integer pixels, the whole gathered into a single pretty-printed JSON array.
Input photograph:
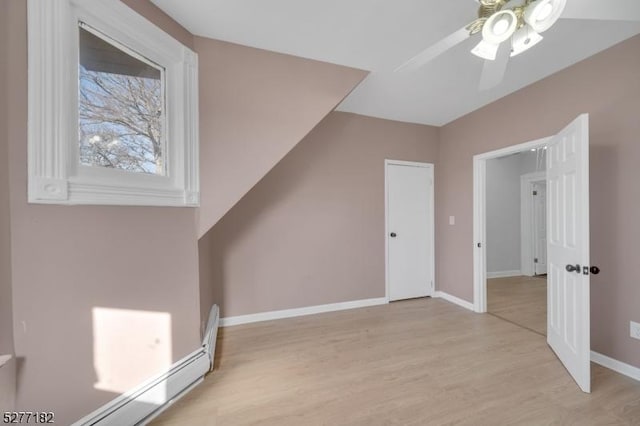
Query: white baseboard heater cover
[{"x": 132, "y": 408}]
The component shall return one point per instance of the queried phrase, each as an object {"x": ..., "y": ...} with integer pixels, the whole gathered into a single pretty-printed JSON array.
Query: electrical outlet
[{"x": 634, "y": 330}]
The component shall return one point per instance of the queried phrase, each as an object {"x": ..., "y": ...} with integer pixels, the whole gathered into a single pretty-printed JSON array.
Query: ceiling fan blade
[
  {"x": 434, "y": 50},
  {"x": 493, "y": 71},
  {"x": 612, "y": 10}
]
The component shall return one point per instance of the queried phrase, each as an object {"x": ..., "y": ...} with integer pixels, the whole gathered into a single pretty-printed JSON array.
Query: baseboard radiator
[{"x": 134, "y": 408}]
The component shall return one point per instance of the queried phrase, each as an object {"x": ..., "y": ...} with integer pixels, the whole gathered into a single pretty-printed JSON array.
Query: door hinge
[
  {"x": 535, "y": 260},
  {"x": 535, "y": 192},
  {"x": 479, "y": 245}
]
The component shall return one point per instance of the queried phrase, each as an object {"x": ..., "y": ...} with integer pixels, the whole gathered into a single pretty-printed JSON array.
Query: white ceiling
[{"x": 379, "y": 35}]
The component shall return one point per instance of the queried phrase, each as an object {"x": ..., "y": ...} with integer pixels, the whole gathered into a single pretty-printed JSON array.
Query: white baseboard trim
[
  {"x": 455, "y": 300},
  {"x": 504, "y": 274},
  {"x": 615, "y": 365},
  {"x": 298, "y": 312}
]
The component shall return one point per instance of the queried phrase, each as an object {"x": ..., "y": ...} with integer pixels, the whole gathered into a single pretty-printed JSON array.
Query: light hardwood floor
[
  {"x": 417, "y": 362},
  {"x": 521, "y": 300}
]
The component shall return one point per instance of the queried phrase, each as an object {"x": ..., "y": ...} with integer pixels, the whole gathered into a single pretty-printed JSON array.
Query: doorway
[
  {"x": 516, "y": 238},
  {"x": 568, "y": 252},
  {"x": 409, "y": 241}
]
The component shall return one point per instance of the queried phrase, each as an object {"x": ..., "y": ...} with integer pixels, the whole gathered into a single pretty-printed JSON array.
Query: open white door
[{"x": 568, "y": 318}]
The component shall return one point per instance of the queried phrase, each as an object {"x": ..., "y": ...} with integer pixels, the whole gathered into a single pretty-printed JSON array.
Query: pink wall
[
  {"x": 255, "y": 106},
  {"x": 312, "y": 231},
  {"x": 7, "y": 373},
  {"x": 68, "y": 260},
  {"x": 606, "y": 86}
]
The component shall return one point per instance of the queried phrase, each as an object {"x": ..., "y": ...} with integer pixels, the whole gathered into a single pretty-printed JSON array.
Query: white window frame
[{"x": 55, "y": 175}]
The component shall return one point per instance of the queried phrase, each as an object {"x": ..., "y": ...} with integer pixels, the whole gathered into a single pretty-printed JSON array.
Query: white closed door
[
  {"x": 409, "y": 230},
  {"x": 568, "y": 293},
  {"x": 540, "y": 227}
]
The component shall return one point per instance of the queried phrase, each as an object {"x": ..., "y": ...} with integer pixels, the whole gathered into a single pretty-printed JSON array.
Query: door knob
[
  {"x": 595, "y": 270},
  {"x": 393, "y": 235},
  {"x": 573, "y": 268}
]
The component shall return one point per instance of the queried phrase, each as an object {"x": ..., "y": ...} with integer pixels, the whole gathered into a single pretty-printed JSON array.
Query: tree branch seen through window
[{"x": 120, "y": 109}]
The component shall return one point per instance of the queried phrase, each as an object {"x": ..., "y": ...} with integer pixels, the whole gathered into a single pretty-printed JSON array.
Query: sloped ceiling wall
[{"x": 255, "y": 106}]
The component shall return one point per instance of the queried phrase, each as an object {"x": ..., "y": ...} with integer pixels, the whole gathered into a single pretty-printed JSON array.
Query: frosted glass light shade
[
  {"x": 499, "y": 27},
  {"x": 540, "y": 17}
]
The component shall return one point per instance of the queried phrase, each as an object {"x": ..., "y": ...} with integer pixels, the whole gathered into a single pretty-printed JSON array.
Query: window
[
  {"x": 112, "y": 108},
  {"x": 121, "y": 113}
]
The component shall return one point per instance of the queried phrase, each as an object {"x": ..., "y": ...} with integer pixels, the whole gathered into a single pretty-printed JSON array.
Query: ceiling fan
[{"x": 511, "y": 27}]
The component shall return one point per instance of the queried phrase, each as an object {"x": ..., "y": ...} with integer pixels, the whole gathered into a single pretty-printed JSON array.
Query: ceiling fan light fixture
[
  {"x": 524, "y": 39},
  {"x": 542, "y": 14},
  {"x": 545, "y": 11},
  {"x": 499, "y": 27},
  {"x": 485, "y": 50}
]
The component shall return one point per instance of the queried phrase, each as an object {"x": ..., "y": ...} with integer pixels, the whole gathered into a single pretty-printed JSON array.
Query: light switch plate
[{"x": 452, "y": 220}]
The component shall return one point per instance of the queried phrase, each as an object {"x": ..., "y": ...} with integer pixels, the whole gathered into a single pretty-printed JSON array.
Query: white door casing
[
  {"x": 568, "y": 293},
  {"x": 540, "y": 227},
  {"x": 409, "y": 229}
]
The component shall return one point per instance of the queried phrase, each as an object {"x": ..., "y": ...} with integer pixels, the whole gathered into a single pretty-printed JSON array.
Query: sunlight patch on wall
[{"x": 129, "y": 347}]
